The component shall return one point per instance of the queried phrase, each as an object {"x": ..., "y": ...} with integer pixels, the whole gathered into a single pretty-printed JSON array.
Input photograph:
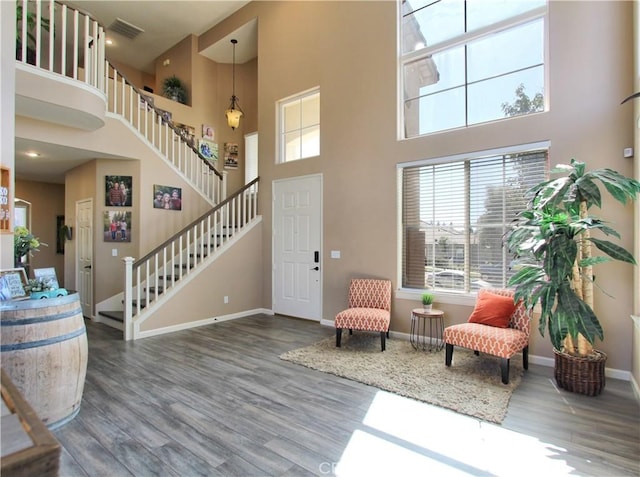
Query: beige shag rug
[{"x": 471, "y": 386}]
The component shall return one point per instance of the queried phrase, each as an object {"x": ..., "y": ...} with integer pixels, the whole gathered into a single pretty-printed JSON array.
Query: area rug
[{"x": 471, "y": 386}]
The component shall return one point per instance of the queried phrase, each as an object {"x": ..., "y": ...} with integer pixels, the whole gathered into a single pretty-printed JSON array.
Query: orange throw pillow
[{"x": 493, "y": 310}]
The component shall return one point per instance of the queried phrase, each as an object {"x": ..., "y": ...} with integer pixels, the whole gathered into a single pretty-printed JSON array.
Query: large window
[
  {"x": 455, "y": 211},
  {"x": 469, "y": 62},
  {"x": 299, "y": 126}
]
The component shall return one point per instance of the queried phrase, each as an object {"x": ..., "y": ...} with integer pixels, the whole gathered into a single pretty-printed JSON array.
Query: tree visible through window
[
  {"x": 455, "y": 213},
  {"x": 462, "y": 60}
]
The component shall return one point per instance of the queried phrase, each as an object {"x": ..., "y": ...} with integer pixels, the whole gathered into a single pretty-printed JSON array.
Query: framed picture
[
  {"x": 167, "y": 197},
  {"x": 230, "y": 155},
  {"x": 46, "y": 275},
  {"x": 117, "y": 226},
  {"x": 208, "y": 149},
  {"x": 146, "y": 102},
  {"x": 166, "y": 115},
  {"x": 188, "y": 133},
  {"x": 12, "y": 283},
  {"x": 207, "y": 132},
  {"x": 118, "y": 191}
]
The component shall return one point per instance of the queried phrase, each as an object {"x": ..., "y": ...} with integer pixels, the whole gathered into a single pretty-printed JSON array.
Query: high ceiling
[{"x": 165, "y": 23}]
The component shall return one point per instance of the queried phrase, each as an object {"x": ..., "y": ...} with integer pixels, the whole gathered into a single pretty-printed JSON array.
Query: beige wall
[
  {"x": 47, "y": 202},
  {"x": 349, "y": 50}
]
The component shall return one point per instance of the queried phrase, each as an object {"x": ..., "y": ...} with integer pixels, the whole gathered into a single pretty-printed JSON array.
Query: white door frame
[
  {"x": 313, "y": 314},
  {"x": 84, "y": 285}
]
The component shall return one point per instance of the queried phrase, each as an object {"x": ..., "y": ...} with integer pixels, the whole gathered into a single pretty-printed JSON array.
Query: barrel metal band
[
  {"x": 40, "y": 319},
  {"x": 36, "y": 344}
]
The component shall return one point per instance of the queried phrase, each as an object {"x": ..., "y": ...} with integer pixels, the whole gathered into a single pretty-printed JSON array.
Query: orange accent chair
[
  {"x": 503, "y": 340},
  {"x": 369, "y": 308}
]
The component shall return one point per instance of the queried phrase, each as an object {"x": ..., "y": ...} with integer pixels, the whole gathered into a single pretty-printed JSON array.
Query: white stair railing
[
  {"x": 68, "y": 42},
  {"x": 155, "y": 274}
]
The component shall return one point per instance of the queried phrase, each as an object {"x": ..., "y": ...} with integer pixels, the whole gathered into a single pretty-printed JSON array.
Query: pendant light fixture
[{"x": 234, "y": 113}]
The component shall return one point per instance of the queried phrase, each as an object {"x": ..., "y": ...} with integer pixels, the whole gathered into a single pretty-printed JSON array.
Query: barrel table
[{"x": 44, "y": 352}]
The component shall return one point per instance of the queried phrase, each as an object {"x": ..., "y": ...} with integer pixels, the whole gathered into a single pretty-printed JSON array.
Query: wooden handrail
[{"x": 194, "y": 223}]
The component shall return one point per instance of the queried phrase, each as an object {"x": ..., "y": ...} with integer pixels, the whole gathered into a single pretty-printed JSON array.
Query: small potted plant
[
  {"x": 427, "y": 301},
  {"x": 174, "y": 89}
]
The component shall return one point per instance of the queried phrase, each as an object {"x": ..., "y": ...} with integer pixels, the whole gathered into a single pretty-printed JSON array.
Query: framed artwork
[
  {"x": 12, "y": 283},
  {"x": 207, "y": 132},
  {"x": 167, "y": 197},
  {"x": 117, "y": 226},
  {"x": 230, "y": 155},
  {"x": 208, "y": 149},
  {"x": 188, "y": 133},
  {"x": 166, "y": 116},
  {"x": 146, "y": 102},
  {"x": 118, "y": 191},
  {"x": 46, "y": 275}
]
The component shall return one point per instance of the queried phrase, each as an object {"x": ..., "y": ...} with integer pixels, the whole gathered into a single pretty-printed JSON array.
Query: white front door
[
  {"x": 297, "y": 247},
  {"x": 84, "y": 255}
]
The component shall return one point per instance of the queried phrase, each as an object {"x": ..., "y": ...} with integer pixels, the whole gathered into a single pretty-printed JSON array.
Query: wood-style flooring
[{"x": 217, "y": 400}]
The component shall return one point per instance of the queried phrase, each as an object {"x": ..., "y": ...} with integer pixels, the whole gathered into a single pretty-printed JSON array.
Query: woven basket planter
[{"x": 582, "y": 375}]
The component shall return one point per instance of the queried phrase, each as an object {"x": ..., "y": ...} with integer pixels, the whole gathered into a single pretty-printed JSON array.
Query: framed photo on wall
[
  {"x": 167, "y": 197},
  {"x": 208, "y": 149},
  {"x": 118, "y": 191},
  {"x": 117, "y": 226}
]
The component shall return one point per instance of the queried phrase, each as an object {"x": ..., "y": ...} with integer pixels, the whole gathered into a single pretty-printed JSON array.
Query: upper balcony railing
[{"x": 62, "y": 40}]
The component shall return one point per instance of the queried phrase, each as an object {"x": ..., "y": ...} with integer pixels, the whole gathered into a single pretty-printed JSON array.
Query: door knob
[{"x": 316, "y": 268}]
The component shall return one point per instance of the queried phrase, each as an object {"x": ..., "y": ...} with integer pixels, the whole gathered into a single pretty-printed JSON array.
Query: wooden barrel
[{"x": 44, "y": 352}]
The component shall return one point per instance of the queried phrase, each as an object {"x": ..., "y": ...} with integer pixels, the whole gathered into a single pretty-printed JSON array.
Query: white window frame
[
  {"x": 280, "y": 105},
  {"x": 445, "y": 297},
  {"x": 463, "y": 39}
]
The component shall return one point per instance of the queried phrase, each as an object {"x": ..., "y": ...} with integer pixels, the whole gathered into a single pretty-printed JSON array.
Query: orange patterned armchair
[
  {"x": 497, "y": 326},
  {"x": 369, "y": 308}
]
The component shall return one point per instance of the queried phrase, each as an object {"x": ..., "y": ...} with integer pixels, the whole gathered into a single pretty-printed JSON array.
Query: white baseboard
[{"x": 205, "y": 322}]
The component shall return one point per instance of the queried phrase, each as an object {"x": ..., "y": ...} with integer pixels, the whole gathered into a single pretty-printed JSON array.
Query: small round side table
[{"x": 419, "y": 339}]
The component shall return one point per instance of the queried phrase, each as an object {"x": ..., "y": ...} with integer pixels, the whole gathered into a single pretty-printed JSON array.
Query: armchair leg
[
  {"x": 350, "y": 331},
  {"x": 504, "y": 367},
  {"x": 448, "y": 354},
  {"x": 338, "y": 337},
  {"x": 525, "y": 357},
  {"x": 383, "y": 335},
  {"x": 476, "y": 352}
]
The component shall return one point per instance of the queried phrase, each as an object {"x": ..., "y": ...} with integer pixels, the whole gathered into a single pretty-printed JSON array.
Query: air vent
[{"x": 125, "y": 29}]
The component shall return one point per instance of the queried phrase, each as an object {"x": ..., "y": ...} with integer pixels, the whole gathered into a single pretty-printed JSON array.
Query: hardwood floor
[{"x": 217, "y": 400}]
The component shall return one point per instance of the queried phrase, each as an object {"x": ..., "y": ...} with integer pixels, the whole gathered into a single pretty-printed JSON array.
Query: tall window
[
  {"x": 468, "y": 62},
  {"x": 299, "y": 126},
  {"x": 455, "y": 211}
]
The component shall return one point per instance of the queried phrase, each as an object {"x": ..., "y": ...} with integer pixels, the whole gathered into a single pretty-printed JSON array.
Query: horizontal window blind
[{"x": 455, "y": 213}]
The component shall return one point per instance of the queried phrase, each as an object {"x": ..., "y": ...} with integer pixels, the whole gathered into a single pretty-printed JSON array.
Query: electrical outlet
[{"x": 226, "y": 299}]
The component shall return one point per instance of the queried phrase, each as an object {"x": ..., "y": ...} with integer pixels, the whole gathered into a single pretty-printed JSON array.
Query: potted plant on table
[
  {"x": 427, "y": 301},
  {"x": 24, "y": 243},
  {"x": 552, "y": 244}
]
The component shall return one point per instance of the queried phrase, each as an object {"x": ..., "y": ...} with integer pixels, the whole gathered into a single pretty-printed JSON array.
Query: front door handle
[
  {"x": 316, "y": 268},
  {"x": 88, "y": 266}
]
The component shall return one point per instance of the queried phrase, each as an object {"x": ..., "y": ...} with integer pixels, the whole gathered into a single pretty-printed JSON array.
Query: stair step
[
  {"x": 153, "y": 290},
  {"x": 184, "y": 265},
  {"x": 169, "y": 278},
  {"x": 114, "y": 315}
]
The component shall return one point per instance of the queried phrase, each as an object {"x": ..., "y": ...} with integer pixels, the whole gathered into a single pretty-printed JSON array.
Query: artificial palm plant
[{"x": 552, "y": 242}]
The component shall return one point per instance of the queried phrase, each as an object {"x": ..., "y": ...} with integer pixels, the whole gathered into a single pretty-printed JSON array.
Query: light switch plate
[
  {"x": 335, "y": 253},
  {"x": 114, "y": 252}
]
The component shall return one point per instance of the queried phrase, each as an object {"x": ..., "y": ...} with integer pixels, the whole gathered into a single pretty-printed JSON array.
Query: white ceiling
[{"x": 165, "y": 23}]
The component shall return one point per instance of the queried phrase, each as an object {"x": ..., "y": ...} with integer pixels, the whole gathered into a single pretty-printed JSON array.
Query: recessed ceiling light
[{"x": 33, "y": 154}]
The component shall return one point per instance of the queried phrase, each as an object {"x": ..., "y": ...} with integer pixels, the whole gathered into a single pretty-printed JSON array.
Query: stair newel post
[{"x": 128, "y": 298}]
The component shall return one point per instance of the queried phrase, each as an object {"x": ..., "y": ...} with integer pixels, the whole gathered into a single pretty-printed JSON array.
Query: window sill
[{"x": 444, "y": 297}]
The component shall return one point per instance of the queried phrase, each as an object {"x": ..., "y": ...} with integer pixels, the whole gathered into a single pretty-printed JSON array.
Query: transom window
[
  {"x": 455, "y": 211},
  {"x": 299, "y": 126},
  {"x": 469, "y": 62}
]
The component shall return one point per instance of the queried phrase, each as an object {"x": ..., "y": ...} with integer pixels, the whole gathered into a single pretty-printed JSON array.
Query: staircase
[{"x": 77, "y": 52}]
